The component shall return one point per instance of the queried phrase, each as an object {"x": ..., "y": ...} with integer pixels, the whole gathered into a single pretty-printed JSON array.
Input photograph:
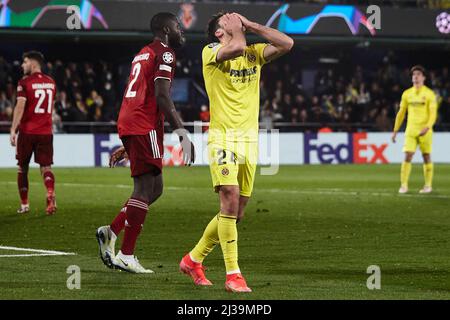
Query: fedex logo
[
  {"x": 103, "y": 147},
  {"x": 353, "y": 148}
]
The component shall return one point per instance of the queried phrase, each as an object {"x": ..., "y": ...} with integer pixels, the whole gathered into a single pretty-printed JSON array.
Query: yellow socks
[
  {"x": 428, "y": 174},
  {"x": 404, "y": 173},
  {"x": 222, "y": 228},
  {"x": 208, "y": 241},
  {"x": 228, "y": 238}
]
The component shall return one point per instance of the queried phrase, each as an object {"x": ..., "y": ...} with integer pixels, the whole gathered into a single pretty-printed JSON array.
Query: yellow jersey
[
  {"x": 421, "y": 106},
  {"x": 233, "y": 90}
]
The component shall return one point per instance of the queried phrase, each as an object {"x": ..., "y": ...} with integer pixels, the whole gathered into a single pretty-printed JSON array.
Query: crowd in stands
[
  {"x": 368, "y": 98},
  {"x": 92, "y": 92}
]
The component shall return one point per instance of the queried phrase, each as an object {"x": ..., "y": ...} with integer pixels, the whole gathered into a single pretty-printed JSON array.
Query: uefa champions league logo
[
  {"x": 167, "y": 57},
  {"x": 443, "y": 23}
]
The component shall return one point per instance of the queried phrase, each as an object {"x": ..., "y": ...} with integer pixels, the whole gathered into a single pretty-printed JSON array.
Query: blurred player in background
[
  {"x": 232, "y": 71},
  {"x": 145, "y": 104},
  {"x": 31, "y": 129},
  {"x": 420, "y": 103}
]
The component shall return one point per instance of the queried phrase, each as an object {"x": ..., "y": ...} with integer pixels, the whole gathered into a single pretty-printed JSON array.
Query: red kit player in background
[
  {"x": 146, "y": 102},
  {"x": 31, "y": 130}
]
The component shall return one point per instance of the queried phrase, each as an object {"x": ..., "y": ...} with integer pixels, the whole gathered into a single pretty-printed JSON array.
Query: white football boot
[
  {"x": 129, "y": 264},
  {"x": 24, "y": 208},
  {"x": 426, "y": 189},
  {"x": 403, "y": 190},
  {"x": 106, "y": 243}
]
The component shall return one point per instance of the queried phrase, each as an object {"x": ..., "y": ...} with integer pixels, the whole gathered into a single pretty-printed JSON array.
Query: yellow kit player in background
[
  {"x": 232, "y": 71},
  {"x": 420, "y": 103}
]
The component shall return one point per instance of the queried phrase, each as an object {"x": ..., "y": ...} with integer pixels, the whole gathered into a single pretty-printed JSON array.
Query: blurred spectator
[
  {"x": 94, "y": 105},
  {"x": 5, "y": 103},
  {"x": 204, "y": 116},
  {"x": 383, "y": 122}
]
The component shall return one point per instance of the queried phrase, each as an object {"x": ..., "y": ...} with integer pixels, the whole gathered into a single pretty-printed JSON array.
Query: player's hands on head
[
  {"x": 231, "y": 23},
  {"x": 117, "y": 156},
  {"x": 246, "y": 24},
  {"x": 423, "y": 132}
]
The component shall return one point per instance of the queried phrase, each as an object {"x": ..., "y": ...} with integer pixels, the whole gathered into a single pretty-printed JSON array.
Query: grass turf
[{"x": 310, "y": 232}]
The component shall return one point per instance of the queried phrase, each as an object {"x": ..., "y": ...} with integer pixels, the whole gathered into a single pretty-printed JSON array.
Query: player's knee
[
  {"x": 408, "y": 157},
  {"x": 22, "y": 169},
  {"x": 229, "y": 199},
  {"x": 157, "y": 192},
  {"x": 45, "y": 169}
]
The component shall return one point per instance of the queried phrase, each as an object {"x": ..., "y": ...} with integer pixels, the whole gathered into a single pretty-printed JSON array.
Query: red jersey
[
  {"x": 39, "y": 91},
  {"x": 139, "y": 113}
]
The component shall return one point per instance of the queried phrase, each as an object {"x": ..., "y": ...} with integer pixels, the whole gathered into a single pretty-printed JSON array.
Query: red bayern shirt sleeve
[
  {"x": 21, "y": 89},
  {"x": 165, "y": 65}
]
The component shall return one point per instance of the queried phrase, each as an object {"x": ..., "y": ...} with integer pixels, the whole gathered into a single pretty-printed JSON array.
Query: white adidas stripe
[
  {"x": 137, "y": 204},
  {"x": 156, "y": 144},
  {"x": 151, "y": 142},
  {"x": 154, "y": 141}
]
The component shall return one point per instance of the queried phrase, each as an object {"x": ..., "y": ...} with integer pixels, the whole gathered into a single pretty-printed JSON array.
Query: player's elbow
[
  {"x": 287, "y": 45},
  {"x": 237, "y": 49}
]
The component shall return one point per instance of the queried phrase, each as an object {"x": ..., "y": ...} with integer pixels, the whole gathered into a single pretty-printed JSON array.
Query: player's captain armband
[
  {"x": 165, "y": 67},
  {"x": 209, "y": 53}
]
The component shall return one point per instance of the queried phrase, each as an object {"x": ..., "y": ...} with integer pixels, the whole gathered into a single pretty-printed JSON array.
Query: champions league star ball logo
[
  {"x": 443, "y": 22},
  {"x": 167, "y": 57}
]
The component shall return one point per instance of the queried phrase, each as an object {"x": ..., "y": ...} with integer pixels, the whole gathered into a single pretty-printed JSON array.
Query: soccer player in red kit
[
  {"x": 145, "y": 105},
  {"x": 31, "y": 129}
]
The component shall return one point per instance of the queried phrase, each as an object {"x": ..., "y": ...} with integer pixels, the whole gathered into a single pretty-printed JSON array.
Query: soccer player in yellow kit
[
  {"x": 420, "y": 103},
  {"x": 232, "y": 71}
]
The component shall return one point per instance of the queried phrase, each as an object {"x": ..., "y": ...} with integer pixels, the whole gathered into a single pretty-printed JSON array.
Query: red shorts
[
  {"x": 40, "y": 144},
  {"x": 145, "y": 153}
]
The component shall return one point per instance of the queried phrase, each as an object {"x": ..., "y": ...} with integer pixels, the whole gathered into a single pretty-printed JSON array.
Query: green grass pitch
[{"x": 310, "y": 232}]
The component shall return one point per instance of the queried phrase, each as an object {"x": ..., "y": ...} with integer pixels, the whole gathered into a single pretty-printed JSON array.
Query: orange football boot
[
  {"x": 236, "y": 283},
  {"x": 195, "y": 270}
]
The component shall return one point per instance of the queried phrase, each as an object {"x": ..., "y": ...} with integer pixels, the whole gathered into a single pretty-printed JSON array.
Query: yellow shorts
[
  {"x": 233, "y": 168},
  {"x": 425, "y": 143}
]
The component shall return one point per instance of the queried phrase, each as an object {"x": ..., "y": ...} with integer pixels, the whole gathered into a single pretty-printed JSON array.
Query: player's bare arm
[
  {"x": 162, "y": 93},
  {"x": 280, "y": 43},
  {"x": 232, "y": 25},
  {"x": 18, "y": 114}
]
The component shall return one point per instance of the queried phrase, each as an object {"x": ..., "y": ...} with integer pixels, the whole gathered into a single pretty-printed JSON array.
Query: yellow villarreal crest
[{"x": 251, "y": 57}]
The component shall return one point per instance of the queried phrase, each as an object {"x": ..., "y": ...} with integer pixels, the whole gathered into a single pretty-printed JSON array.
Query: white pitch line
[
  {"x": 319, "y": 191},
  {"x": 37, "y": 252},
  {"x": 30, "y": 255}
]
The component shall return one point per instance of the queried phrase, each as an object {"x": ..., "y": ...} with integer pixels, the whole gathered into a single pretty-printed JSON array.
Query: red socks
[
  {"x": 22, "y": 183},
  {"x": 135, "y": 213},
  {"x": 119, "y": 221},
  {"x": 49, "y": 181}
]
